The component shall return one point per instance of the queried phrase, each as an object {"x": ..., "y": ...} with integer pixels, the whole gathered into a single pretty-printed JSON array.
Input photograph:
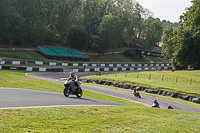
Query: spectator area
[
  {"x": 75, "y": 53},
  {"x": 48, "y": 51},
  {"x": 62, "y": 54}
]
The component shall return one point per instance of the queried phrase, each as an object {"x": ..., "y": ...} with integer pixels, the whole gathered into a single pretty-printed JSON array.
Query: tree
[
  {"x": 77, "y": 38},
  {"x": 97, "y": 44},
  {"x": 185, "y": 39},
  {"x": 152, "y": 32},
  {"x": 110, "y": 31},
  {"x": 93, "y": 11},
  {"x": 12, "y": 25},
  {"x": 167, "y": 39},
  {"x": 103, "y": 22}
]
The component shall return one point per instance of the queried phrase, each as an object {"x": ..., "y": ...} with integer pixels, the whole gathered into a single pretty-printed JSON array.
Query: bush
[{"x": 130, "y": 53}]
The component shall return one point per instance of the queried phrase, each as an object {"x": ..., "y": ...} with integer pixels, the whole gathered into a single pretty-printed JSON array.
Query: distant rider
[
  {"x": 169, "y": 107},
  {"x": 155, "y": 104},
  {"x": 135, "y": 92}
]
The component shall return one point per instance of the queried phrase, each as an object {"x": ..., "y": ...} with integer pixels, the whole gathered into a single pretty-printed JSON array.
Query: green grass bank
[
  {"x": 184, "y": 82},
  {"x": 33, "y": 55}
]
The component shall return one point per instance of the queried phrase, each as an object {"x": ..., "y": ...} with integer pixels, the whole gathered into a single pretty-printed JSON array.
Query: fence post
[
  {"x": 176, "y": 79},
  {"x": 138, "y": 75},
  {"x": 163, "y": 77},
  {"x": 150, "y": 76}
]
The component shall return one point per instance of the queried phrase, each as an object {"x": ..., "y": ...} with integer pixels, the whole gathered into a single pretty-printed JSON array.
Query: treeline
[
  {"x": 82, "y": 24},
  {"x": 182, "y": 44}
]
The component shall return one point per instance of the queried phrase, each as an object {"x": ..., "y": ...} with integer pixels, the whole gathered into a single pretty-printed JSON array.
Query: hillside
[{"x": 33, "y": 55}]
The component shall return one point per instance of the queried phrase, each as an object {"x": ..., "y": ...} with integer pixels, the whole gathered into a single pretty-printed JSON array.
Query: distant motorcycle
[
  {"x": 155, "y": 104},
  {"x": 72, "y": 88},
  {"x": 170, "y": 107},
  {"x": 136, "y": 94}
]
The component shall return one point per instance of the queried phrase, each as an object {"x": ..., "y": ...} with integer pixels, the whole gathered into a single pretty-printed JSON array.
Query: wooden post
[
  {"x": 176, "y": 79},
  {"x": 138, "y": 75},
  {"x": 163, "y": 77},
  {"x": 150, "y": 76},
  {"x": 191, "y": 81}
]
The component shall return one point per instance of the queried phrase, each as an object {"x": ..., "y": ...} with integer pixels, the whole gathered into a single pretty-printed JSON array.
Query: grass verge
[
  {"x": 33, "y": 55},
  {"x": 184, "y": 82},
  {"x": 98, "y": 119}
]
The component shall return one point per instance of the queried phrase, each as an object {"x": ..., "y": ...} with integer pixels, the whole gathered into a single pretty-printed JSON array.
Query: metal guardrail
[
  {"x": 129, "y": 64},
  {"x": 36, "y": 69},
  {"x": 115, "y": 69}
]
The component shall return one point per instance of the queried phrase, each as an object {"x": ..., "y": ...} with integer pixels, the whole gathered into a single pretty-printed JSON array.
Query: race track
[
  {"x": 146, "y": 100},
  {"x": 12, "y": 98},
  {"x": 23, "y": 98}
]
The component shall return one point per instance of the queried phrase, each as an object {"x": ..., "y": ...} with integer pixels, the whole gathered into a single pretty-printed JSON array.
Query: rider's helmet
[{"x": 72, "y": 74}]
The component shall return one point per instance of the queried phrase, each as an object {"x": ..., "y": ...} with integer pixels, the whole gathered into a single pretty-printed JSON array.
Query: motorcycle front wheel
[
  {"x": 66, "y": 91},
  {"x": 79, "y": 93}
]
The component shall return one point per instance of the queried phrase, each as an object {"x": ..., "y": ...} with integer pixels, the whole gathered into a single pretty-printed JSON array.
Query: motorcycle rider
[
  {"x": 169, "y": 107},
  {"x": 155, "y": 104},
  {"x": 74, "y": 78},
  {"x": 136, "y": 93}
]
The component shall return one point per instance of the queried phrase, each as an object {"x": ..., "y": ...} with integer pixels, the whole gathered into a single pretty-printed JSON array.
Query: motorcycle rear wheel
[{"x": 66, "y": 92}]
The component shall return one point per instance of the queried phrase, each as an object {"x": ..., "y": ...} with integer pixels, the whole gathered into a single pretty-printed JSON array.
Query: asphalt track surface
[
  {"x": 145, "y": 100},
  {"x": 13, "y": 98}
]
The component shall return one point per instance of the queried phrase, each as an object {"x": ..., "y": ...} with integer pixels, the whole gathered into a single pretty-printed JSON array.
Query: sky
[{"x": 169, "y": 10}]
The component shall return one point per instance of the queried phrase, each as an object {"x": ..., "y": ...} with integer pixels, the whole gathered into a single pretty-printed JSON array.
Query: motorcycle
[
  {"x": 136, "y": 93},
  {"x": 71, "y": 88},
  {"x": 170, "y": 107},
  {"x": 155, "y": 105}
]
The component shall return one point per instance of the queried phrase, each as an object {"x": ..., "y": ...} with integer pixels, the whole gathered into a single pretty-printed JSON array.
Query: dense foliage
[
  {"x": 182, "y": 44},
  {"x": 130, "y": 53},
  {"x": 82, "y": 24}
]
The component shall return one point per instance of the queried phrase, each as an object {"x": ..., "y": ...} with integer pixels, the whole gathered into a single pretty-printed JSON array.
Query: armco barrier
[
  {"x": 148, "y": 90},
  {"x": 122, "y": 69},
  {"x": 32, "y": 69},
  {"x": 130, "y": 64}
]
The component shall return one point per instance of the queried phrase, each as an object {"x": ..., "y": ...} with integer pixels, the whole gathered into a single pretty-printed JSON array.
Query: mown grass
[
  {"x": 135, "y": 118},
  {"x": 99, "y": 119},
  {"x": 17, "y": 79},
  {"x": 22, "y": 54},
  {"x": 185, "y": 82}
]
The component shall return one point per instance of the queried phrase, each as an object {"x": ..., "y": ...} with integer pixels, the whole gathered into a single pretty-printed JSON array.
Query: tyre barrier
[
  {"x": 36, "y": 69},
  {"x": 144, "y": 89}
]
